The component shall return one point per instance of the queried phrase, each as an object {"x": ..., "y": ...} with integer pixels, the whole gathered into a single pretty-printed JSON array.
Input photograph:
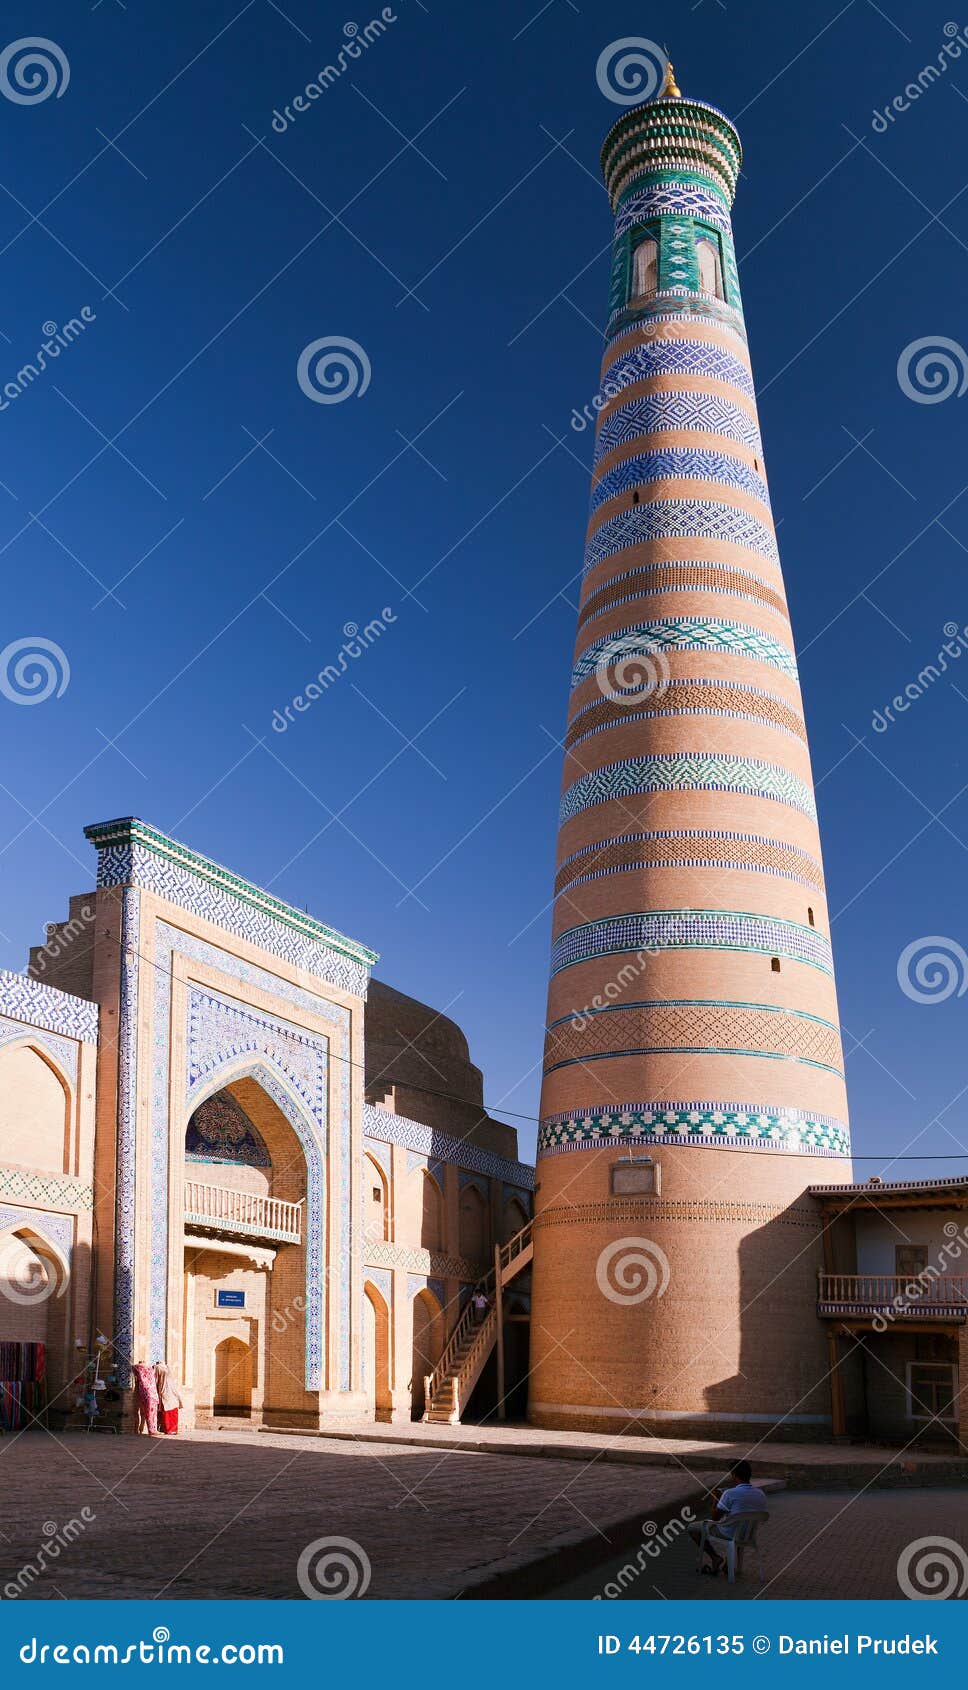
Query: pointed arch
[
  {"x": 431, "y": 1211},
  {"x": 376, "y": 1351},
  {"x": 473, "y": 1223},
  {"x": 36, "y": 1098},
  {"x": 376, "y": 1198},
  {"x": 427, "y": 1345}
]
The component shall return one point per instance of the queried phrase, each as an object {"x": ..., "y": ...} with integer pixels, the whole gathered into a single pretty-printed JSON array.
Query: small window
[
  {"x": 756, "y": 465},
  {"x": 930, "y": 1390},
  {"x": 910, "y": 1260},
  {"x": 646, "y": 269},
  {"x": 377, "y": 1194},
  {"x": 636, "y": 1177},
  {"x": 775, "y": 964},
  {"x": 810, "y": 918},
  {"x": 635, "y": 496},
  {"x": 710, "y": 270}
]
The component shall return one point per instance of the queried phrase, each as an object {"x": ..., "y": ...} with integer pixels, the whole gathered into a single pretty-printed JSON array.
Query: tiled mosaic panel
[
  {"x": 693, "y": 772},
  {"x": 696, "y": 576},
  {"x": 696, "y": 697},
  {"x": 708, "y": 1027},
  {"x": 679, "y": 519},
  {"x": 668, "y": 357},
  {"x": 39, "y": 1005},
  {"x": 134, "y": 865},
  {"x": 730, "y": 1126},
  {"x": 684, "y": 463},
  {"x": 691, "y": 930},
  {"x": 658, "y": 413},
  {"x": 59, "y": 1190},
  {"x": 675, "y": 200},
  {"x": 399, "y": 1129},
  {"x": 220, "y": 1132},
  {"x": 690, "y": 848},
  {"x": 684, "y": 633}
]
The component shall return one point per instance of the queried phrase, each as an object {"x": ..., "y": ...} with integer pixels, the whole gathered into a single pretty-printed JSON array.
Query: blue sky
[{"x": 440, "y": 206}]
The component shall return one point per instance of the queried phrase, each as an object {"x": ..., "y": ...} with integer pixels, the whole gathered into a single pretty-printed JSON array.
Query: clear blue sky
[{"x": 440, "y": 205}]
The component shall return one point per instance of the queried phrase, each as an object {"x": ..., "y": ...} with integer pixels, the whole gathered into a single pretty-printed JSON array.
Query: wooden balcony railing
[
  {"x": 927, "y": 1293},
  {"x": 244, "y": 1212}
]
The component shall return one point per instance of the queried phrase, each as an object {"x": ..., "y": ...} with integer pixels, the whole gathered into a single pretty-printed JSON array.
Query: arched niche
[
  {"x": 427, "y": 1329},
  {"x": 376, "y": 1200},
  {"x": 474, "y": 1227},
  {"x": 376, "y": 1351},
  {"x": 34, "y": 1109}
]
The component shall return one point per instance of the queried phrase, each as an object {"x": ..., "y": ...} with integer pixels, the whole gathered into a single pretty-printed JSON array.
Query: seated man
[{"x": 739, "y": 1498}]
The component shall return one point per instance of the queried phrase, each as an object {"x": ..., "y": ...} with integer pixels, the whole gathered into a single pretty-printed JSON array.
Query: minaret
[{"x": 693, "y": 1078}]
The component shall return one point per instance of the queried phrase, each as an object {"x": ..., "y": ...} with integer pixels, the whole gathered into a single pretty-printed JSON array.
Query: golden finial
[{"x": 671, "y": 91}]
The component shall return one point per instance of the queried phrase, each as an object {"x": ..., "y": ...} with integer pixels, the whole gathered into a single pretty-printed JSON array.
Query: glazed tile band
[
  {"x": 689, "y": 848},
  {"x": 686, "y": 771},
  {"x": 691, "y": 930},
  {"x": 679, "y": 519},
  {"x": 684, "y": 633},
  {"x": 733, "y": 1126}
]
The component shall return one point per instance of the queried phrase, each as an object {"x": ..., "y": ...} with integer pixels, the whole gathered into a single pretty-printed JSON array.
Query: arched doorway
[
  {"x": 232, "y": 1378},
  {"x": 376, "y": 1353},
  {"x": 428, "y": 1342},
  {"x": 473, "y": 1224},
  {"x": 34, "y": 1310},
  {"x": 513, "y": 1219}
]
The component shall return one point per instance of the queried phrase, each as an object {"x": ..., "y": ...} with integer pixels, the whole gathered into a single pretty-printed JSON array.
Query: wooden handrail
[
  {"x": 223, "y": 1206},
  {"x": 926, "y": 1289},
  {"x": 507, "y": 1254}
]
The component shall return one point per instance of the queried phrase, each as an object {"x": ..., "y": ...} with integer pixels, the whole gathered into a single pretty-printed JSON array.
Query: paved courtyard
[
  {"x": 818, "y": 1545},
  {"x": 228, "y": 1514}
]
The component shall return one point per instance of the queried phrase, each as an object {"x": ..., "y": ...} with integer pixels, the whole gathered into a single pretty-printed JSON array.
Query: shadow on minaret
[{"x": 781, "y": 1388}]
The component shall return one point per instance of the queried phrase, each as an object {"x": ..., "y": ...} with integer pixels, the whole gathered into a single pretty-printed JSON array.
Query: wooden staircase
[{"x": 448, "y": 1389}]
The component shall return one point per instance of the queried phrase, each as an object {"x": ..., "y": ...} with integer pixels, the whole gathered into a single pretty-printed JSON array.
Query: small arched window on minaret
[
  {"x": 710, "y": 269},
  {"x": 646, "y": 268}
]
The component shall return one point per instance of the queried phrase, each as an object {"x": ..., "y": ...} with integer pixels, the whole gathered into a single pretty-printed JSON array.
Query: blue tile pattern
[
  {"x": 702, "y": 358},
  {"x": 671, "y": 199},
  {"x": 700, "y": 413},
  {"x": 679, "y": 519},
  {"x": 414, "y": 1135},
  {"x": 685, "y": 633},
  {"x": 686, "y": 772},
  {"x": 681, "y": 463},
  {"x": 727, "y": 1126},
  {"x": 39, "y": 1005},
  {"x": 691, "y": 930}
]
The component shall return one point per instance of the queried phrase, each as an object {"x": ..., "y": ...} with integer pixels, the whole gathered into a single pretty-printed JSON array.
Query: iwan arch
[{"x": 204, "y": 1158}]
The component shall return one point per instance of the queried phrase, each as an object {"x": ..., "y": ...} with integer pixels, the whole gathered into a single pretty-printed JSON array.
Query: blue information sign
[{"x": 230, "y": 1299}]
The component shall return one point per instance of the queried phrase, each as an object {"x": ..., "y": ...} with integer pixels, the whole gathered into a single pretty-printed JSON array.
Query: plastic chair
[{"x": 731, "y": 1548}]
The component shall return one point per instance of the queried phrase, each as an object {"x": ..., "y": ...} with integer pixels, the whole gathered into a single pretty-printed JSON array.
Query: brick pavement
[
  {"x": 227, "y": 1514},
  {"x": 816, "y": 1546}
]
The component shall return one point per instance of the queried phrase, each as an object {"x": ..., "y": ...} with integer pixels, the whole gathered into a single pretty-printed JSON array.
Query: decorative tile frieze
[
  {"x": 687, "y": 772},
  {"x": 658, "y": 413},
  {"x": 689, "y": 848},
  {"x": 694, "y": 1027},
  {"x": 398, "y": 1129},
  {"x": 729, "y": 1126},
  {"x": 381, "y": 1253},
  {"x": 57, "y": 1190},
  {"x": 39, "y": 1005},
  {"x": 695, "y": 697},
  {"x": 682, "y": 633},
  {"x": 671, "y": 199},
  {"x": 678, "y": 463},
  {"x": 679, "y": 519},
  {"x": 692, "y": 930},
  {"x": 668, "y": 357},
  {"x": 132, "y": 854}
]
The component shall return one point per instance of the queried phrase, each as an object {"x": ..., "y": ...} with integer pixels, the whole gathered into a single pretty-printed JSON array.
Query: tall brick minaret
[{"x": 693, "y": 1079}]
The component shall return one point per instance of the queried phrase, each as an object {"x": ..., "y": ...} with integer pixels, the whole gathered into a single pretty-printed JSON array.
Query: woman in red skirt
[{"x": 169, "y": 1400}]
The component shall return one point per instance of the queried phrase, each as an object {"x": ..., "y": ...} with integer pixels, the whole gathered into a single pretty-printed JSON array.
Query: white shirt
[{"x": 739, "y": 1499}]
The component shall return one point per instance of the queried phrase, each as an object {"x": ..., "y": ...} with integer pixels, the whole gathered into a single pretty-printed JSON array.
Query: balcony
[
  {"x": 241, "y": 1214},
  {"x": 926, "y": 1295}
]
